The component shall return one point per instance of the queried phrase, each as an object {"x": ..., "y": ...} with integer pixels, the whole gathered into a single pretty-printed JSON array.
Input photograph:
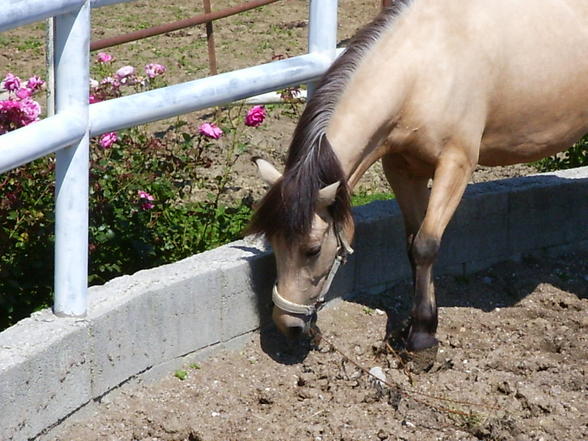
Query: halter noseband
[{"x": 343, "y": 250}]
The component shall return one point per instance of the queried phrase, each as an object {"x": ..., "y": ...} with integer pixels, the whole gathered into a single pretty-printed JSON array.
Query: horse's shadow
[
  {"x": 499, "y": 286},
  {"x": 263, "y": 274}
]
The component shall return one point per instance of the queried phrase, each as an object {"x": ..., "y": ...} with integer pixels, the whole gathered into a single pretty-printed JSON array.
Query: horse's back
[
  {"x": 539, "y": 102},
  {"x": 513, "y": 74}
]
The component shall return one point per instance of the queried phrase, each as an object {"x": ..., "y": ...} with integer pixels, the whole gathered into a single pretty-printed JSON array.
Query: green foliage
[
  {"x": 363, "y": 198},
  {"x": 126, "y": 236},
  {"x": 26, "y": 240},
  {"x": 575, "y": 156}
]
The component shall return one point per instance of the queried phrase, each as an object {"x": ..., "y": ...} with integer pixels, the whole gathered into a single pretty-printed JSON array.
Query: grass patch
[{"x": 364, "y": 198}]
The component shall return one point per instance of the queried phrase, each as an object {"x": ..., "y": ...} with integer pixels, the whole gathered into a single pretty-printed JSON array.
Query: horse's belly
[
  {"x": 536, "y": 121},
  {"x": 514, "y": 148}
]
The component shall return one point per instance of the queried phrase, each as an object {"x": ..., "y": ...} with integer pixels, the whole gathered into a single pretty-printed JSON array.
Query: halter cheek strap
[{"x": 343, "y": 250}]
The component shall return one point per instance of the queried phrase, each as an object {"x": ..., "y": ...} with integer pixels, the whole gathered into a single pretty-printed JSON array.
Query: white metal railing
[{"x": 68, "y": 131}]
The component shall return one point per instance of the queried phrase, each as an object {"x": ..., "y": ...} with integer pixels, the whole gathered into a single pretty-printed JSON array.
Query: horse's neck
[{"x": 367, "y": 110}]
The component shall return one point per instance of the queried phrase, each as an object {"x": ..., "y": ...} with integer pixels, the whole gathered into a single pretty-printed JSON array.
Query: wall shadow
[{"x": 502, "y": 285}]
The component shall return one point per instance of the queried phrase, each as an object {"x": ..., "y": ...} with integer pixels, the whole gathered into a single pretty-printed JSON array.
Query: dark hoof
[
  {"x": 421, "y": 352},
  {"x": 418, "y": 362},
  {"x": 420, "y": 341}
]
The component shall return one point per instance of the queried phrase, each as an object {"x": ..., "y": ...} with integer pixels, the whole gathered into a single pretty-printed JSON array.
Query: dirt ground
[{"x": 512, "y": 365}]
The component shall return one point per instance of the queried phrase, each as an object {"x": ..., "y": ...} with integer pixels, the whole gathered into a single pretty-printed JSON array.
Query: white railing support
[
  {"x": 72, "y": 49},
  {"x": 322, "y": 32},
  {"x": 40, "y": 139},
  {"x": 21, "y": 12}
]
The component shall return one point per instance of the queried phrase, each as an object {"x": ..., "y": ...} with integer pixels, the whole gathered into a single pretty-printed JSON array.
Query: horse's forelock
[{"x": 288, "y": 209}]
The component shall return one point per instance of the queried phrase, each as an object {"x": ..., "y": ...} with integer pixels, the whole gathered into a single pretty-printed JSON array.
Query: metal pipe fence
[{"x": 67, "y": 132}]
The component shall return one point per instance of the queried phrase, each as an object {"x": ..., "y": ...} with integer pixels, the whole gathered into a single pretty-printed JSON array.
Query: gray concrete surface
[{"x": 148, "y": 323}]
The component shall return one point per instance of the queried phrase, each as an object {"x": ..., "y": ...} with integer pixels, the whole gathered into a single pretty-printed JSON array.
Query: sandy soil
[{"x": 511, "y": 366}]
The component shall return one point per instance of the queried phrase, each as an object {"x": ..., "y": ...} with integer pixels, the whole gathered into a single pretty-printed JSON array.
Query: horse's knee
[{"x": 424, "y": 249}]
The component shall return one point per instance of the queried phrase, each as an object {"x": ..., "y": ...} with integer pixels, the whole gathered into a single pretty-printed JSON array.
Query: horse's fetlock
[{"x": 425, "y": 318}]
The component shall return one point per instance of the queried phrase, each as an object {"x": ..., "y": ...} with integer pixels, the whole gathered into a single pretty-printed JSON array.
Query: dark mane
[{"x": 288, "y": 208}]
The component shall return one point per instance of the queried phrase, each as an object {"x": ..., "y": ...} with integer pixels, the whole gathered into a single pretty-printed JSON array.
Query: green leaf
[{"x": 181, "y": 374}]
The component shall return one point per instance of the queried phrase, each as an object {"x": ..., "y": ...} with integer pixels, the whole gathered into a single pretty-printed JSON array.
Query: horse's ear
[
  {"x": 268, "y": 172},
  {"x": 327, "y": 195}
]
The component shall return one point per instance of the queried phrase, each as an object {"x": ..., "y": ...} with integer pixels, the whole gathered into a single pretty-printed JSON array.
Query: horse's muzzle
[{"x": 293, "y": 326}]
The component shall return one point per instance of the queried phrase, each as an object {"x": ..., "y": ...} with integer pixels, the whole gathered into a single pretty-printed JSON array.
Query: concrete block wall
[{"x": 144, "y": 323}]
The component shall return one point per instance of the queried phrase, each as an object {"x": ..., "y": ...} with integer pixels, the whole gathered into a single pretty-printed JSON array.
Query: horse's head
[{"x": 307, "y": 263}]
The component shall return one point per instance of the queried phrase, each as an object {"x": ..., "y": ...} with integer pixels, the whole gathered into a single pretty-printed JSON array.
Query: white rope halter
[{"x": 343, "y": 250}]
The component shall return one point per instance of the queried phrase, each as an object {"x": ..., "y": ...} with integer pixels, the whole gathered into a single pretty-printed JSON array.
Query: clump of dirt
[{"x": 511, "y": 366}]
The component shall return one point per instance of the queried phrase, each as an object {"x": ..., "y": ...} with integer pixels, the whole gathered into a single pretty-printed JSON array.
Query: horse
[{"x": 430, "y": 88}]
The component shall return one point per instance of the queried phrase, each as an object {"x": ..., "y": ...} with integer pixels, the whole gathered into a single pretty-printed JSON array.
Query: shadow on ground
[{"x": 502, "y": 285}]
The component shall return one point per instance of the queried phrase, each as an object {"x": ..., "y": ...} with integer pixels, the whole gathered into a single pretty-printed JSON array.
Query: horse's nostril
[{"x": 295, "y": 332}]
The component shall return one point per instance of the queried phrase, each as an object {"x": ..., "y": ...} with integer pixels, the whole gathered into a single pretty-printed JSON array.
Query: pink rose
[
  {"x": 124, "y": 72},
  {"x": 104, "y": 57},
  {"x": 94, "y": 99},
  {"x": 31, "y": 110},
  {"x": 107, "y": 139},
  {"x": 255, "y": 116},
  {"x": 23, "y": 93},
  {"x": 10, "y": 115},
  {"x": 145, "y": 200},
  {"x": 210, "y": 130},
  {"x": 113, "y": 82},
  {"x": 15, "y": 114},
  {"x": 11, "y": 83},
  {"x": 34, "y": 83},
  {"x": 153, "y": 70}
]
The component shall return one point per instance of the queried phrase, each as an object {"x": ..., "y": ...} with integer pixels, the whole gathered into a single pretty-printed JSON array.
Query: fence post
[
  {"x": 50, "y": 61},
  {"x": 210, "y": 40},
  {"x": 322, "y": 31},
  {"x": 72, "y": 45}
]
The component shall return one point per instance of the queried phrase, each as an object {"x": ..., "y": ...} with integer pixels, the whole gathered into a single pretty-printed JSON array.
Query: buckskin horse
[{"x": 431, "y": 88}]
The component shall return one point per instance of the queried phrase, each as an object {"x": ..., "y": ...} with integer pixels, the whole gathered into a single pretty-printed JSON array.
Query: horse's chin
[{"x": 293, "y": 326}]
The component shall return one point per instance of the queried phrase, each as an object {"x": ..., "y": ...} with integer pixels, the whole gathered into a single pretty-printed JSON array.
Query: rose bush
[
  {"x": 142, "y": 213},
  {"x": 19, "y": 109},
  {"x": 575, "y": 156}
]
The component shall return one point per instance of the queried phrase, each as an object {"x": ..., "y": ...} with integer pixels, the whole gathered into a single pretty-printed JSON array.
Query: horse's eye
[{"x": 312, "y": 252}]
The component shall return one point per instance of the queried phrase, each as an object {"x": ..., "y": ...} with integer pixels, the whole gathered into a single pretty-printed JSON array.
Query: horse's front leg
[{"x": 452, "y": 173}]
